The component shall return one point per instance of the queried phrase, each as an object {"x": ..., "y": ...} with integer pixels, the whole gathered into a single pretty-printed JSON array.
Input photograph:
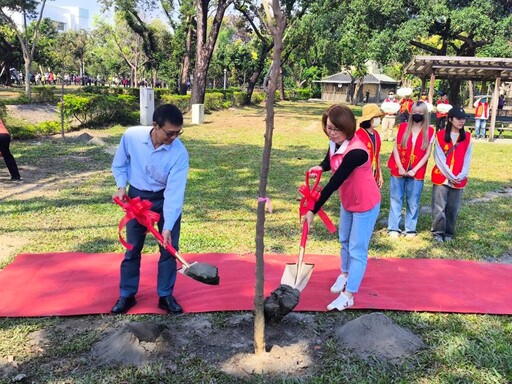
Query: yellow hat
[{"x": 370, "y": 111}]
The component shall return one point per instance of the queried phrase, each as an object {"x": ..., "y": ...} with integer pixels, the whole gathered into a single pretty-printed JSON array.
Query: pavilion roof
[{"x": 461, "y": 67}]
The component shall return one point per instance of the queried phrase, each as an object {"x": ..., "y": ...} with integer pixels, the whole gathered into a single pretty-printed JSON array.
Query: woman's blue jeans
[
  {"x": 355, "y": 232},
  {"x": 411, "y": 189}
]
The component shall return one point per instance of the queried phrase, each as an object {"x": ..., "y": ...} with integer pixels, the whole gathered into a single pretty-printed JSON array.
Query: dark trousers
[
  {"x": 403, "y": 117},
  {"x": 445, "y": 209},
  {"x": 440, "y": 123},
  {"x": 136, "y": 235},
  {"x": 5, "y": 142}
]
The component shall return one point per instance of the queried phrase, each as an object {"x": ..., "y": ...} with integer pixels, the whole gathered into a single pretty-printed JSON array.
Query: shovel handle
[
  {"x": 304, "y": 237},
  {"x": 155, "y": 233}
]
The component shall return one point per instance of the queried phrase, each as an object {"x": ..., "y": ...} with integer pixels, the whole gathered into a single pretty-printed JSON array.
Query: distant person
[
  {"x": 501, "y": 102},
  {"x": 388, "y": 121},
  {"x": 408, "y": 165},
  {"x": 367, "y": 132},
  {"x": 405, "y": 108},
  {"x": 481, "y": 116},
  {"x": 348, "y": 160},
  {"x": 452, "y": 154},
  {"x": 5, "y": 142},
  {"x": 154, "y": 162},
  {"x": 424, "y": 96},
  {"x": 441, "y": 116}
]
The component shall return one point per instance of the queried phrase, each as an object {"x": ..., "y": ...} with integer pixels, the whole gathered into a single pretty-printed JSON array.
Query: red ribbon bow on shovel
[
  {"x": 310, "y": 197},
  {"x": 136, "y": 209}
]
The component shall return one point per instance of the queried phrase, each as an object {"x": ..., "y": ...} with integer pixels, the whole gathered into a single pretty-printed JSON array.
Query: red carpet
[{"x": 79, "y": 283}]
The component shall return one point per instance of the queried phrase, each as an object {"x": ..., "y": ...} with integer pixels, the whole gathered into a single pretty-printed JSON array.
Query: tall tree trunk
[
  {"x": 205, "y": 45},
  {"x": 355, "y": 96},
  {"x": 277, "y": 28},
  {"x": 281, "y": 85},
  {"x": 185, "y": 68}
]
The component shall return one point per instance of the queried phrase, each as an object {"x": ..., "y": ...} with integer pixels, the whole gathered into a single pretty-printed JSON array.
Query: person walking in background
[
  {"x": 501, "y": 102},
  {"x": 452, "y": 154},
  {"x": 481, "y": 115},
  {"x": 405, "y": 108},
  {"x": 440, "y": 115},
  {"x": 388, "y": 121},
  {"x": 367, "y": 132},
  {"x": 5, "y": 143},
  {"x": 154, "y": 162},
  {"x": 408, "y": 164},
  {"x": 348, "y": 160}
]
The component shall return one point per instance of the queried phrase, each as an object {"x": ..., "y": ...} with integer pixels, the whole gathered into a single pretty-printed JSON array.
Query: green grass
[{"x": 220, "y": 216}]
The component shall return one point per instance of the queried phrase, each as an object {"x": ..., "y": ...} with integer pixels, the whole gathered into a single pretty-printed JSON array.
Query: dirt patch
[
  {"x": 294, "y": 346},
  {"x": 34, "y": 113},
  {"x": 10, "y": 245}
]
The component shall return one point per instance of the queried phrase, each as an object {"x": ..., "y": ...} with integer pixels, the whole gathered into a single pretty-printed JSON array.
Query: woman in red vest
[
  {"x": 369, "y": 121},
  {"x": 408, "y": 164},
  {"x": 348, "y": 160},
  {"x": 452, "y": 154},
  {"x": 5, "y": 142}
]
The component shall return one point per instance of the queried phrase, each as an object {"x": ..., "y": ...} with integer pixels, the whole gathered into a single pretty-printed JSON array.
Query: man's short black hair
[{"x": 168, "y": 113}]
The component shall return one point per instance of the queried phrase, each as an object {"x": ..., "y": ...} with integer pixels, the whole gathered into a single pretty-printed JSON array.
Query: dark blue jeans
[{"x": 136, "y": 235}]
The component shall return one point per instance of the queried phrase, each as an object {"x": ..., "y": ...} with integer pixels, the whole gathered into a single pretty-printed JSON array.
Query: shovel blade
[
  {"x": 202, "y": 272},
  {"x": 295, "y": 278}
]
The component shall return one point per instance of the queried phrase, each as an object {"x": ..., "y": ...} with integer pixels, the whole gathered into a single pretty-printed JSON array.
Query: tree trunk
[
  {"x": 28, "y": 88},
  {"x": 281, "y": 85},
  {"x": 205, "y": 45},
  {"x": 185, "y": 69},
  {"x": 262, "y": 56},
  {"x": 277, "y": 30},
  {"x": 355, "y": 96}
]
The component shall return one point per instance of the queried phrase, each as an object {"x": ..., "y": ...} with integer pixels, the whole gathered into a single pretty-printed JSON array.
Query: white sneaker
[
  {"x": 341, "y": 303},
  {"x": 340, "y": 284}
]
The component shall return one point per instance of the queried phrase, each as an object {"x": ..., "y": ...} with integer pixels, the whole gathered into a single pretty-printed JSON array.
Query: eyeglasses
[
  {"x": 172, "y": 133},
  {"x": 333, "y": 129}
]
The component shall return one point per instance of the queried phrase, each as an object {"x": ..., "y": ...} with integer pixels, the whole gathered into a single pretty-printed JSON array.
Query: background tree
[
  {"x": 29, "y": 11},
  {"x": 10, "y": 53}
]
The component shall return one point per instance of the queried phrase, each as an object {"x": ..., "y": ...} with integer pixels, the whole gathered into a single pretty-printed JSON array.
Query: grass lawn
[{"x": 74, "y": 213}]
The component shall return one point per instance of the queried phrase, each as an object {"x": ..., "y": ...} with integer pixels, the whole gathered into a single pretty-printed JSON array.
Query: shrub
[
  {"x": 257, "y": 97},
  {"x": 180, "y": 101},
  {"x": 3, "y": 109},
  {"x": 213, "y": 101},
  {"x": 94, "y": 109},
  {"x": 239, "y": 98},
  {"x": 31, "y": 131},
  {"x": 43, "y": 94}
]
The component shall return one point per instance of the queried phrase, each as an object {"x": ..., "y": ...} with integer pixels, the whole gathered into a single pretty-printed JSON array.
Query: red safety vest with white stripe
[
  {"x": 454, "y": 160},
  {"x": 411, "y": 155}
]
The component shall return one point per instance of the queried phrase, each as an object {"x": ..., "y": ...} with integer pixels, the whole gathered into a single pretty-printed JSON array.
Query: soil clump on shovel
[{"x": 280, "y": 303}]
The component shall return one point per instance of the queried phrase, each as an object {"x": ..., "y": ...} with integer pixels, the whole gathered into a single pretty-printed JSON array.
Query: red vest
[
  {"x": 359, "y": 192},
  {"x": 454, "y": 160},
  {"x": 439, "y": 114},
  {"x": 411, "y": 155},
  {"x": 374, "y": 151},
  {"x": 406, "y": 105},
  {"x": 482, "y": 110}
]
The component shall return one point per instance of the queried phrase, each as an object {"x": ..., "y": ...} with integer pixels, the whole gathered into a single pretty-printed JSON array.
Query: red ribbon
[
  {"x": 136, "y": 209},
  {"x": 310, "y": 197}
]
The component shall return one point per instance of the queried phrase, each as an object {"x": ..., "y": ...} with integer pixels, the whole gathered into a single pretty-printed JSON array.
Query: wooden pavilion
[{"x": 464, "y": 68}]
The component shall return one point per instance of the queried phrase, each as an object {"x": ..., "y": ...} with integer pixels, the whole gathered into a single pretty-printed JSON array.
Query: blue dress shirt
[{"x": 137, "y": 162}]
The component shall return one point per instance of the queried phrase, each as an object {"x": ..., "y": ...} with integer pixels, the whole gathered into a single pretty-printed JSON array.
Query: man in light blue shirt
[{"x": 154, "y": 163}]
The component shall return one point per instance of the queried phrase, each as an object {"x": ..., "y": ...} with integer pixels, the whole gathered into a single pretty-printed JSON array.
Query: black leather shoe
[
  {"x": 123, "y": 304},
  {"x": 169, "y": 304}
]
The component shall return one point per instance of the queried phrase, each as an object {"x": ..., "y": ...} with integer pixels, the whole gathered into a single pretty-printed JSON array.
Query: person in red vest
[
  {"x": 349, "y": 161},
  {"x": 368, "y": 123},
  {"x": 452, "y": 155},
  {"x": 441, "y": 116},
  {"x": 405, "y": 108},
  {"x": 481, "y": 116},
  {"x": 408, "y": 164},
  {"x": 5, "y": 142}
]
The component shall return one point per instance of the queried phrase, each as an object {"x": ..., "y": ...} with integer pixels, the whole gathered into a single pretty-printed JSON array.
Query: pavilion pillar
[
  {"x": 494, "y": 104},
  {"x": 431, "y": 88}
]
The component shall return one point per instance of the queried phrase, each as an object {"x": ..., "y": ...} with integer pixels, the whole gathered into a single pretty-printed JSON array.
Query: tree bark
[
  {"x": 276, "y": 26},
  {"x": 205, "y": 45},
  {"x": 185, "y": 69}
]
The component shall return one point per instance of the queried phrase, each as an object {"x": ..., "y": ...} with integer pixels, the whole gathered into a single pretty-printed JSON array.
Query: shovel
[
  {"x": 298, "y": 275},
  {"x": 202, "y": 272}
]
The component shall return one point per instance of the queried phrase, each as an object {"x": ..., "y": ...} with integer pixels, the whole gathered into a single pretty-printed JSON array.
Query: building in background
[{"x": 66, "y": 18}]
